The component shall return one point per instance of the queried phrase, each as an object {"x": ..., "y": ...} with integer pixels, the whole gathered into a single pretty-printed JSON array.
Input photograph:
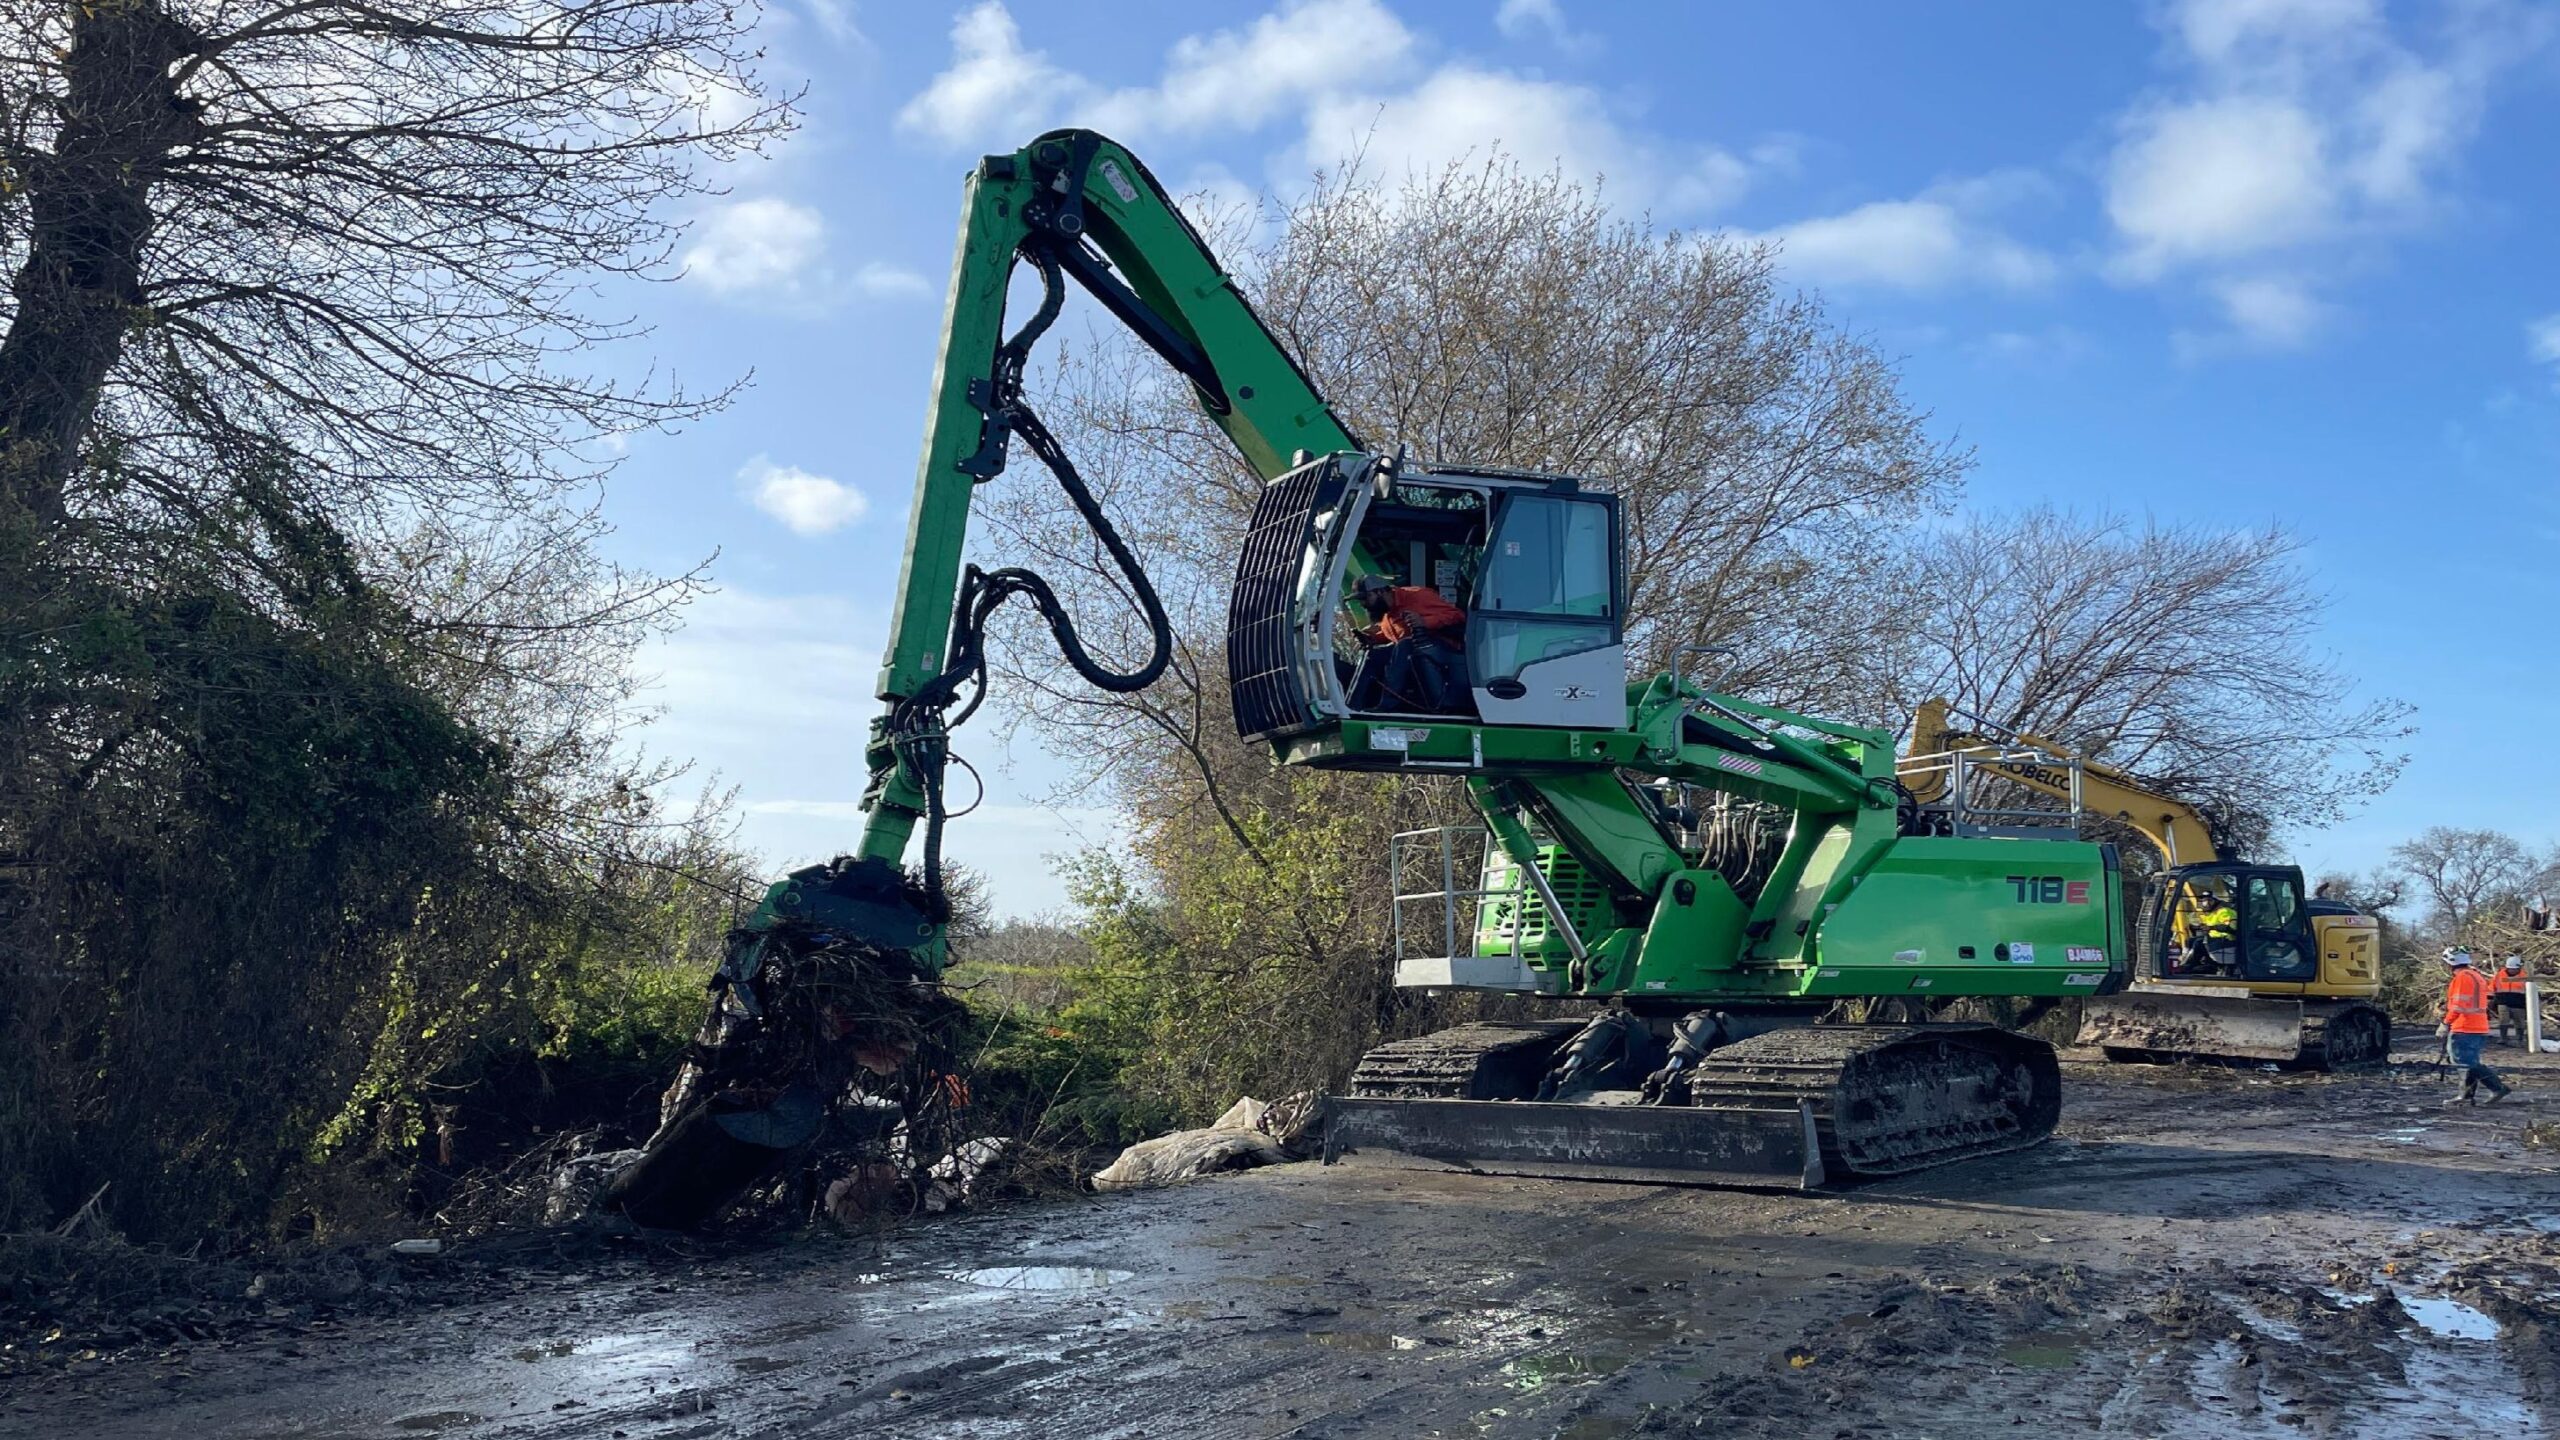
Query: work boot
[
  {"x": 2498, "y": 1094},
  {"x": 2465, "y": 1098}
]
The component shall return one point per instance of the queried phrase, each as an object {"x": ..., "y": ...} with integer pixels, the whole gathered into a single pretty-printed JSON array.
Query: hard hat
[
  {"x": 2456, "y": 955},
  {"x": 1371, "y": 585},
  {"x": 2515, "y": 962}
]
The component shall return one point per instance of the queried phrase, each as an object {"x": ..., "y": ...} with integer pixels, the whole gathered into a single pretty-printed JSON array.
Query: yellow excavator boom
[{"x": 2175, "y": 828}]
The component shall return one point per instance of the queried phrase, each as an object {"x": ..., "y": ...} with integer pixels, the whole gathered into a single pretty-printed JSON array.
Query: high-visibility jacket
[
  {"x": 2466, "y": 1002},
  {"x": 2508, "y": 982},
  {"x": 2220, "y": 923},
  {"x": 1417, "y": 610}
]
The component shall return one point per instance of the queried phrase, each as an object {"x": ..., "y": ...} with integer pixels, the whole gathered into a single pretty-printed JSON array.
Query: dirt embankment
[{"x": 2199, "y": 1253}]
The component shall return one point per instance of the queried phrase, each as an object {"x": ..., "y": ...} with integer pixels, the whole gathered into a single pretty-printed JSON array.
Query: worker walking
[
  {"x": 2506, "y": 1000},
  {"x": 2466, "y": 1026}
]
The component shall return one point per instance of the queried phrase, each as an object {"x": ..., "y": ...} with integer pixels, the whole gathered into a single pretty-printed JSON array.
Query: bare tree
[
  {"x": 295, "y": 424},
  {"x": 2185, "y": 653},
  {"x": 366, "y": 231},
  {"x": 2471, "y": 876}
]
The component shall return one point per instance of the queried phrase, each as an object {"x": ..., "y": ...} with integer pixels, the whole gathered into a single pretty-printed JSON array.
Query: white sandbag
[{"x": 1188, "y": 1155}]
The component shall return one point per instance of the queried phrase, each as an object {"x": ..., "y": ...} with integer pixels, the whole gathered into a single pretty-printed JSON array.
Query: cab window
[
  {"x": 2279, "y": 947},
  {"x": 1549, "y": 587},
  {"x": 1551, "y": 558}
]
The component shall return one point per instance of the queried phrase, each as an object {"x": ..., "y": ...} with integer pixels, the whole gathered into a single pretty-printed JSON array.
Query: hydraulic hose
[{"x": 920, "y": 725}]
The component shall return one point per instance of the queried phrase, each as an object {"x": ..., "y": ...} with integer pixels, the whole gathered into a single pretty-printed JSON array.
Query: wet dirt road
[{"x": 2199, "y": 1253}]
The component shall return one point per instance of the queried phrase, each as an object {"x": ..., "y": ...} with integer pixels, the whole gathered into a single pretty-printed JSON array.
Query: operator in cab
[
  {"x": 2213, "y": 934},
  {"x": 1416, "y": 642}
]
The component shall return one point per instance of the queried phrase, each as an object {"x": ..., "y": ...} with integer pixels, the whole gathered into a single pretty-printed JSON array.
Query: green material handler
[{"x": 1730, "y": 881}]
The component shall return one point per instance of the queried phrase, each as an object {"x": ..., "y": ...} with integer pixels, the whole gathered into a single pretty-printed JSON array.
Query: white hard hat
[
  {"x": 2456, "y": 955},
  {"x": 2515, "y": 962}
]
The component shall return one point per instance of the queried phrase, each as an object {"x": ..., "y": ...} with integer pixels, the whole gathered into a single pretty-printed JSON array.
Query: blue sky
[{"x": 2215, "y": 262}]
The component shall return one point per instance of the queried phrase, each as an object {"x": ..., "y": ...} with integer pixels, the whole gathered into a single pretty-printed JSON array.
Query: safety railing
[
  {"x": 2023, "y": 812},
  {"x": 1465, "y": 914},
  {"x": 1424, "y": 870}
]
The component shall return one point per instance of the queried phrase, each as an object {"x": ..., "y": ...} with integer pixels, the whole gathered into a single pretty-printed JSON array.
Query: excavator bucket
[{"x": 2195, "y": 1020}]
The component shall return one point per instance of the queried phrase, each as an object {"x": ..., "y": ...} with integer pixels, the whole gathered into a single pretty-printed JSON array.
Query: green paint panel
[{"x": 2037, "y": 917}]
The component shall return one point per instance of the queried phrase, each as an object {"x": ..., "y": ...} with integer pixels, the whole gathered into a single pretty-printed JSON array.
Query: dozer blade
[
  {"x": 2196, "y": 1020},
  {"x": 1661, "y": 1145}
]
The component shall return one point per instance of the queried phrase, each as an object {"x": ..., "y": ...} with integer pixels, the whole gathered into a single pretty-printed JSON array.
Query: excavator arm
[
  {"x": 1070, "y": 205},
  {"x": 832, "y": 972},
  {"x": 2178, "y": 830}
]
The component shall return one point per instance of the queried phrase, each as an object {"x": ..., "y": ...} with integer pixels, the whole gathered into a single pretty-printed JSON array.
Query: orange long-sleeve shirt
[{"x": 1415, "y": 609}]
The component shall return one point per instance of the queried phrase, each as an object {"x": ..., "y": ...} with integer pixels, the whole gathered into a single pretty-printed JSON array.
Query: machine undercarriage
[{"x": 1791, "y": 1104}]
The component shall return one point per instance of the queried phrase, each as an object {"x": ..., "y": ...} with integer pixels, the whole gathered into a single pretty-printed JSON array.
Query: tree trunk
[{"x": 90, "y": 216}]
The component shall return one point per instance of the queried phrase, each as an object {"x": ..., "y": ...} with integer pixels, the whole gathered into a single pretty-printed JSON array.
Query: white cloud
[
  {"x": 997, "y": 91},
  {"x": 835, "y": 17},
  {"x": 993, "y": 88},
  {"x": 1927, "y": 243},
  {"x": 748, "y": 671},
  {"x": 753, "y": 683},
  {"x": 717, "y": 101},
  {"x": 2542, "y": 339},
  {"x": 808, "y": 504},
  {"x": 884, "y": 281},
  {"x": 1346, "y": 74},
  {"x": 1541, "y": 22},
  {"x": 2299, "y": 133},
  {"x": 1233, "y": 80},
  {"x": 2217, "y": 178},
  {"x": 2223, "y": 31},
  {"x": 756, "y": 244},
  {"x": 2270, "y": 311},
  {"x": 1526, "y": 19},
  {"x": 1460, "y": 112},
  {"x": 2045, "y": 349}
]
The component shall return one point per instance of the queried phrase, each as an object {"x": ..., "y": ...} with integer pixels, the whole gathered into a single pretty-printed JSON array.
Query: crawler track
[
  {"x": 1888, "y": 1100},
  {"x": 1809, "y": 1105}
]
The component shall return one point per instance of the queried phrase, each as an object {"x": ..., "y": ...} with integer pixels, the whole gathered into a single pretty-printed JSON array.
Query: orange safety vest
[
  {"x": 2466, "y": 1003},
  {"x": 2506, "y": 984},
  {"x": 1416, "y": 609}
]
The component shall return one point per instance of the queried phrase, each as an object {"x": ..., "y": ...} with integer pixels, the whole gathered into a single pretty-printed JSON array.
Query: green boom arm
[{"x": 1071, "y": 203}]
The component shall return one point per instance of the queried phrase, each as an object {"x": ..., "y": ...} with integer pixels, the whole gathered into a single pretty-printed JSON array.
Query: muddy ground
[{"x": 2200, "y": 1252}]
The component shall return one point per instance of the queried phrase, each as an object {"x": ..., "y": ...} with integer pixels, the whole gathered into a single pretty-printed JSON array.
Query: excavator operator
[
  {"x": 2213, "y": 934},
  {"x": 1415, "y": 641}
]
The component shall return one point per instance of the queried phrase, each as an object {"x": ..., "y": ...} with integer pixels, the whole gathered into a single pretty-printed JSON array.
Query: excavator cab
[
  {"x": 1533, "y": 561},
  {"x": 2239, "y": 965},
  {"x": 2234, "y": 923}
]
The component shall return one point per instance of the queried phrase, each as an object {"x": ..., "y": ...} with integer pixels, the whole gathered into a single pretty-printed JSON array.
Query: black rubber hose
[{"x": 919, "y": 729}]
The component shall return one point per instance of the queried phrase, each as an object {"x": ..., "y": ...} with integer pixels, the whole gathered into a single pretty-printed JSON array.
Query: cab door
[
  {"x": 2275, "y": 930},
  {"x": 1546, "y": 637}
]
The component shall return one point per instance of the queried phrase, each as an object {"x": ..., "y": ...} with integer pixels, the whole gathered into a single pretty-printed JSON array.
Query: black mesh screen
[{"x": 1260, "y": 681}]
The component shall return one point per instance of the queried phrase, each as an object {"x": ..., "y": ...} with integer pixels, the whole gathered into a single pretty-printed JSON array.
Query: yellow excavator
[{"x": 2231, "y": 960}]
